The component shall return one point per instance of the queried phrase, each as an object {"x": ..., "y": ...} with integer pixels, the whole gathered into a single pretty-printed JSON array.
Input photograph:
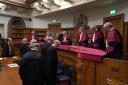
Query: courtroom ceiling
[{"x": 46, "y": 7}]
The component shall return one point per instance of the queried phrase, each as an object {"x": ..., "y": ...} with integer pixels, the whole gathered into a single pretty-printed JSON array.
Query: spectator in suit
[
  {"x": 30, "y": 67},
  {"x": 8, "y": 50},
  {"x": 49, "y": 65},
  {"x": 45, "y": 46},
  {"x": 23, "y": 46},
  {"x": 113, "y": 42}
]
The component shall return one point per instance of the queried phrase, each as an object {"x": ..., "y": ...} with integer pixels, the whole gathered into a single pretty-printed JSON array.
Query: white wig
[{"x": 107, "y": 24}]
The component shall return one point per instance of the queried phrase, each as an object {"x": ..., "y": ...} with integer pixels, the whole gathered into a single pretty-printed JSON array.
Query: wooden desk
[
  {"x": 95, "y": 73},
  {"x": 84, "y": 69},
  {"x": 9, "y": 76}
]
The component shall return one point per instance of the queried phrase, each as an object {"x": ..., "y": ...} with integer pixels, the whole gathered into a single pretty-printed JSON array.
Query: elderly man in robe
[
  {"x": 114, "y": 41},
  {"x": 32, "y": 37},
  {"x": 66, "y": 38},
  {"x": 82, "y": 37},
  {"x": 98, "y": 38}
]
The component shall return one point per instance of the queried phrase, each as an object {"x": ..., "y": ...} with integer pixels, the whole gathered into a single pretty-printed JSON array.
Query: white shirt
[
  {"x": 9, "y": 48},
  {"x": 65, "y": 39},
  {"x": 93, "y": 38},
  {"x": 81, "y": 34}
]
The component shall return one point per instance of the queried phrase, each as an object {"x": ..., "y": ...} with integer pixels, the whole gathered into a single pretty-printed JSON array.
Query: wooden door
[
  {"x": 117, "y": 21},
  {"x": 54, "y": 28},
  {"x": 125, "y": 43}
]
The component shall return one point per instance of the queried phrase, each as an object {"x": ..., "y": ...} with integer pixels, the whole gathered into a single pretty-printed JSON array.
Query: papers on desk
[
  {"x": 14, "y": 57},
  {"x": 1, "y": 59},
  {"x": 12, "y": 65}
]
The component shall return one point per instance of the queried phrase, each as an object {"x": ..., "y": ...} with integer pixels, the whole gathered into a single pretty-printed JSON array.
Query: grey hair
[
  {"x": 57, "y": 42},
  {"x": 108, "y": 24}
]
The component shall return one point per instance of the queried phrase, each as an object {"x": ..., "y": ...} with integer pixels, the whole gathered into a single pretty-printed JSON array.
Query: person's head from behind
[
  {"x": 34, "y": 47},
  {"x": 24, "y": 40},
  {"x": 96, "y": 27},
  {"x": 33, "y": 41},
  {"x": 108, "y": 26},
  {"x": 49, "y": 39},
  {"x": 56, "y": 43},
  {"x": 9, "y": 40},
  {"x": 65, "y": 33},
  {"x": 33, "y": 32}
]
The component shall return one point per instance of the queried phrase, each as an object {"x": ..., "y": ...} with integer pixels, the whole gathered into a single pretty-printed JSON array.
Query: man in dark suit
[
  {"x": 8, "y": 48},
  {"x": 30, "y": 67},
  {"x": 23, "y": 47},
  {"x": 50, "y": 65}
]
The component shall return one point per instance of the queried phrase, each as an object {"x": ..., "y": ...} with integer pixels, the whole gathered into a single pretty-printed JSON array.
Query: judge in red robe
[
  {"x": 98, "y": 39},
  {"x": 32, "y": 36},
  {"x": 114, "y": 41},
  {"x": 66, "y": 39},
  {"x": 60, "y": 36},
  {"x": 82, "y": 37}
]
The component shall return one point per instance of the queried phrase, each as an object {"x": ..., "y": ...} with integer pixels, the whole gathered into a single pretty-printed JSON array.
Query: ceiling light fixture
[
  {"x": 63, "y": 4},
  {"x": 2, "y": 6},
  {"x": 45, "y": 1}
]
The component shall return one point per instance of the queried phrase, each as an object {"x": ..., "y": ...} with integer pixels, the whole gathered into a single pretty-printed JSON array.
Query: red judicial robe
[
  {"x": 60, "y": 36},
  {"x": 66, "y": 40},
  {"x": 30, "y": 37},
  {"x": 114, "y": 40},
  {"x": 83, "y": 39},
  {"x": 98, "y": 40}
]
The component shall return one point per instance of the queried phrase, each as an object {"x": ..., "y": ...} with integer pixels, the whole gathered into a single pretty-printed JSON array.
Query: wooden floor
[{"x": 9, "y": 76}]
